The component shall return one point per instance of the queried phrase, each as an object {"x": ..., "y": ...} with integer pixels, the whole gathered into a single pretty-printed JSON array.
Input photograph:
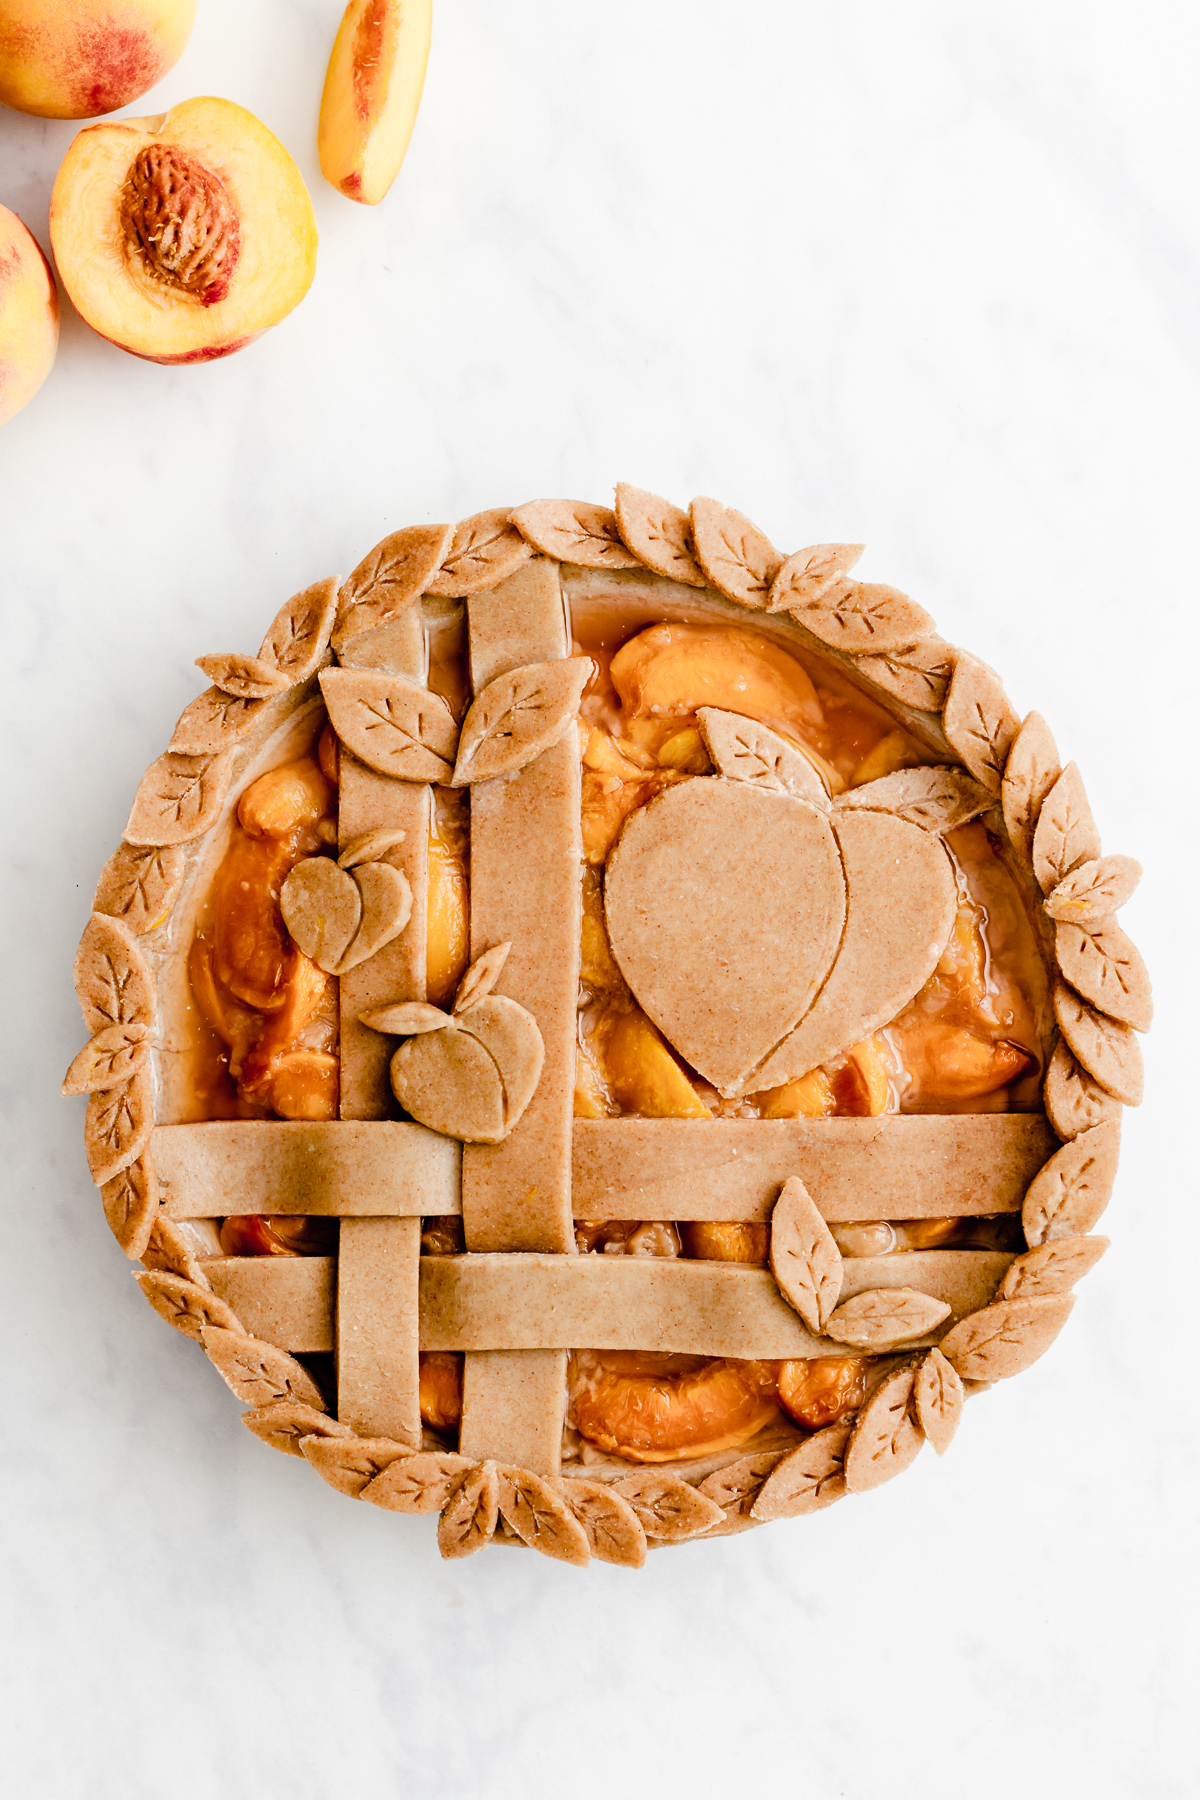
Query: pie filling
[{"x": 972, "y": 1040}]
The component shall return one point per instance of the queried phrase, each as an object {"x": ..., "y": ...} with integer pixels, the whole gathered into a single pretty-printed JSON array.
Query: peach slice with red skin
[
  {"x": 181, "y": 238},
  {"x": 28, "y": 316},
  {"x": 77, "y": 59},
  {"x": 372, "y": 92}
]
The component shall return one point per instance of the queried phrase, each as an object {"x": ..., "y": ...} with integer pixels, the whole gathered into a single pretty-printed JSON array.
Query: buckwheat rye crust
[{"x": 710, "y": 1112}]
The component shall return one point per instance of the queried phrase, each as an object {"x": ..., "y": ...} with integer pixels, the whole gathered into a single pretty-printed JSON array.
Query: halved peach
[
  {"x": 28, "y": 315},
  {"x": 372, "y": 92},
  {"x": 180, "y": 238},
  {"x": 78, "y": 60}
]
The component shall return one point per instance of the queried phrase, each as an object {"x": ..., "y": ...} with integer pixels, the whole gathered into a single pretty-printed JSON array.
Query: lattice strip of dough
[
  {"x": 526, "y": 849},
  {"x": 379, "y": 1259},
  {"x": 523, "y": 1307}
]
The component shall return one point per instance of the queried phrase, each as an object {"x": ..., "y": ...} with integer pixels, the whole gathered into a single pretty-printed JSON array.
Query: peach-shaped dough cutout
[
  {"x": 725, "y": 907},
  {"x": 899, "y": 918}
]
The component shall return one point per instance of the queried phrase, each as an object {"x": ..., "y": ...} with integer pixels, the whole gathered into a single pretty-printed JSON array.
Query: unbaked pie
[{"x": 605, "y": 1032}]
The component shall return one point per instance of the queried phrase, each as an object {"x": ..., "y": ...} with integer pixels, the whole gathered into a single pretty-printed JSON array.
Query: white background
[{"x": 923, "y": 274}]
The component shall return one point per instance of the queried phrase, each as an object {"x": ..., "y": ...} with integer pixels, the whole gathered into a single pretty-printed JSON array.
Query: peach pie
[{"x": 607, "y": 1033}]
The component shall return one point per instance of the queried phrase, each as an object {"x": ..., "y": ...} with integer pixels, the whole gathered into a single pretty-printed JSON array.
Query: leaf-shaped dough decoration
[
  {"x": 1073, "y": 1101},
  {"x": 469, "y": 1517},
  {"x": 386, "y": 910},
  {"x": 885, "y": 1438},
  {"x": 114, "y": 1054},
  {"x": 614, "y": 1532},
  {"x": 171, "y": 1249},
  {"x": 918, "y": 677},
  {"x": 659, "y": 534},
  {"x": 805, "y": 1259},
  {"x": 857, "y": 617},
  {"x": 131, "y": 1205},
  {"x": 1029, "y": 774},
  {"x": 574, "y": 531},
  {"x": 284, "y": 1423},
  {"x": 245, "y": 677},
  {"x": 936, "y": 799},
  {"x": 348, "y": 1464},
  {"x": 668, "y": 1508},
  {"x": 744, "y": 750},
  {"x": 417, "y": 1484},
  {"x": 298, "y": 639},
  {"x": 510, "y": 1035},
  {"x": 178, "y": 798},
  {"x": 1104, "y": 965},
  {"x": 1108, "y": 1050},
  {"x": 1094, "y": 891},
  {"x": 484, "y": 550},
  {"x": 394, "y": 725},
  {"x": 1065, "y": 835},
  {"x": 139, "y": 885},
  {"x": 370, "y": 846},
  {"x": 407, "y": 1018},
  {"x": 807, "y": 1479},
  {"x": 1068, "y": 1194},
  {"x": 736, "y": 1487},
  {"x": 185, "y": 1305},
  {"x": 257, "y": 1372},
  {"x": 450, "y": 1082},
  {"x": 481, "y": 977},
  {"x": 540, "y": 1516},
  {"x": 979, "y": 722},
  {"x": 938, "y": 1399},
  {"x": 1006, "y": 1338},
  {"x": 882, "y": 1318},
  {"x": 113, "y": 982},
  {"x": 517, "y": 716},
  {"x": 738, "y": 559},
  {"x": 390, "y": 578},
  {"x": 1052, "y": 1268},
  {"x": 808, "y": 574},
  {"x": 322, "y": 909},
  {"x": 212, "y": 723},
  {"x": 118, "y": 1125}
]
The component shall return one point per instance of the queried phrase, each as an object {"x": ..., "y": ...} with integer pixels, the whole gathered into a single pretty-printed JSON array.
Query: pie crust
[{"x": 819, "y": 915}]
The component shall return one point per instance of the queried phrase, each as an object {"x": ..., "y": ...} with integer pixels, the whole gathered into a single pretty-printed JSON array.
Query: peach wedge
[
  {"x": 76, "y": 59},
  {"x": 28, "y": 316},
  {"x": 372, "y": 92},
  {"x": 183, "y": 237}
]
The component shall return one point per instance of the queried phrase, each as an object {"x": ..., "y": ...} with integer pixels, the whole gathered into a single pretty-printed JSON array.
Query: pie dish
[{"x": 605, "y": 1032}]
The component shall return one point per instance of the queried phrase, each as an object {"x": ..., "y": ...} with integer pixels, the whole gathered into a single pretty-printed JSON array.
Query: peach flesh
[
  {"x": 28, "y": 316},
  {"x": 372, "y": 92},
  {"x": 181, "y": 238},
  {"x": 77, "y": 59}
]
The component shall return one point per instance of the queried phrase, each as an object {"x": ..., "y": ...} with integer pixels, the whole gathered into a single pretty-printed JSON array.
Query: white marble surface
[{"x": 921, "y": 274}]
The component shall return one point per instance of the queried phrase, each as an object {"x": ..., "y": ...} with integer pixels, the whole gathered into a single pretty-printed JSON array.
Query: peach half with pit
[
  {"x": 28, "y": 315},
  {"x": 372, "y": 92},
  {"x": 183, "y": 237},
  {"x": 76, "y": 59}
]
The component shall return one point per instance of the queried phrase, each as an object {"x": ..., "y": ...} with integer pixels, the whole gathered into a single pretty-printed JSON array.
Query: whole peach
[
  {"x": 28, "y": 316},
  {"x": 75, "y": 59}
]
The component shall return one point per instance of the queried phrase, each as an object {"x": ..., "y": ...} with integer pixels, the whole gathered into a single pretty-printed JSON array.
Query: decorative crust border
[{"x": 890, "y": 646}]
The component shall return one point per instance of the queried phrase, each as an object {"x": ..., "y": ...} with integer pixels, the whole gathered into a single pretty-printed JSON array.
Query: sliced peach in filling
[
  {"x": 181, "y": 237},
  {"x": 649, "y": 1407},
  {"x": 372, "y": 92},
  {"x": 668, "y": 671},
  {"x": 820, "y": 1390}
]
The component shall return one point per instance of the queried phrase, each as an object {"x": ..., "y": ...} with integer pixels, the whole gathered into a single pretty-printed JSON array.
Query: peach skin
[
  {"x": 180, "y": 238},
  {"x": 76, "y": 59},
  {"x": 28, "y": 316},
  {"x": 372, "y": 92}
]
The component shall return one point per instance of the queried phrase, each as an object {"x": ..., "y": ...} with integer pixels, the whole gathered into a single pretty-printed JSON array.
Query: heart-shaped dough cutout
[
  {"x": 725, "y": 907},
  {"x": 322, "y": 909}
]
